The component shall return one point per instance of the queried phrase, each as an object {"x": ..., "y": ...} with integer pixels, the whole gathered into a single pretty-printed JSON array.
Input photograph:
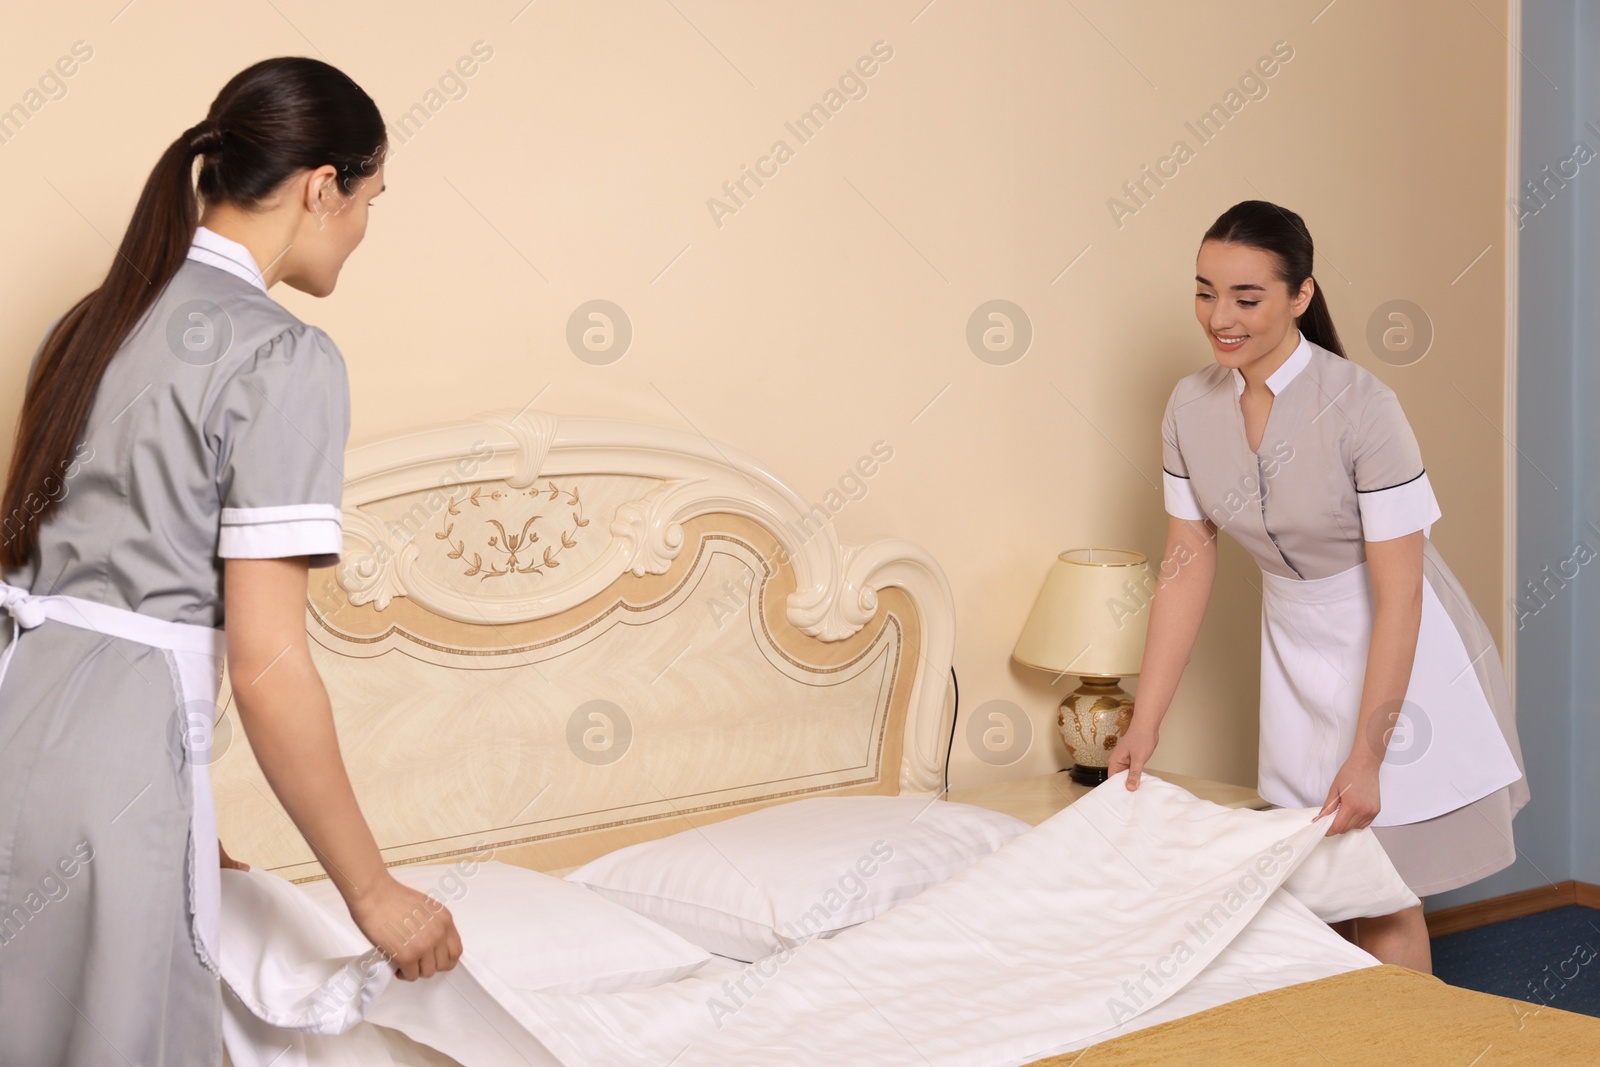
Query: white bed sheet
[{"x": 1124, "y": 910}]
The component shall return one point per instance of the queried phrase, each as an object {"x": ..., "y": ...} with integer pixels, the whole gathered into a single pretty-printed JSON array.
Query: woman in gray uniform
[
  {"x": 180, "y": 448},
  {"x": 1383, "y": 700}
]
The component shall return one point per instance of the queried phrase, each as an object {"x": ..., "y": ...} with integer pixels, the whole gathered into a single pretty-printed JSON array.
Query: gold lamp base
[{"x": 1092, "y": 720}]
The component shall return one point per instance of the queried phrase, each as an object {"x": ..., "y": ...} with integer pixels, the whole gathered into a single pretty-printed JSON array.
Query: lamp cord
[{"x": 955, "y": 716}]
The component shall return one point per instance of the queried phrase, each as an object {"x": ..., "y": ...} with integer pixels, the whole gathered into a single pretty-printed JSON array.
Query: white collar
[
  {"x": 213, "y": 249},
  {"x": 1283, "y": 375}
]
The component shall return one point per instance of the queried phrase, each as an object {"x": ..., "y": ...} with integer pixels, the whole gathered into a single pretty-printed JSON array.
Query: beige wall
[{"x": 828, "y": 311}]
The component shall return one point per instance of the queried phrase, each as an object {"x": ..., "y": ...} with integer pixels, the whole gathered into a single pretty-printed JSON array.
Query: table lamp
[{"x": 1090, "y": 620}]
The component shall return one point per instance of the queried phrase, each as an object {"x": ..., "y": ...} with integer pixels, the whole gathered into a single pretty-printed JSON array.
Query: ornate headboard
[{"x": 550, "y": 637}]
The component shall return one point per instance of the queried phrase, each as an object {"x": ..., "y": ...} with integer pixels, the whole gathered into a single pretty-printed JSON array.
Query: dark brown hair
[
  {"x": 271, "y": 120},
  {"x": 1274, "y": 229}
]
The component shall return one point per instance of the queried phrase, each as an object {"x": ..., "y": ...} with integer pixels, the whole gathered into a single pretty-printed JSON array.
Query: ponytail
[
  {"x": 1274, "y": 229},
  {"x": 270, "y": 121}
]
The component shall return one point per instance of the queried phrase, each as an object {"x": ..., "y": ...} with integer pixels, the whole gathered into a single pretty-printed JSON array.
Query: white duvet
[{"x": 1123, "y": 910}]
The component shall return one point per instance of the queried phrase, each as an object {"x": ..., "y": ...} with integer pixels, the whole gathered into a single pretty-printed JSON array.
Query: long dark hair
[
  {"x": 1264, "y": 225},
  {"x": 271, "y": 120}
]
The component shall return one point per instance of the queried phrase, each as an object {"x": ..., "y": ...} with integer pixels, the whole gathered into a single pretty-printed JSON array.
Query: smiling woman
[{"x": 1381, "y": 699}]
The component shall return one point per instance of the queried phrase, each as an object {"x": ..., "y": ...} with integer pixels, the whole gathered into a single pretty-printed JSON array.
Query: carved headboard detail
[{"x": 550, "y": 637}]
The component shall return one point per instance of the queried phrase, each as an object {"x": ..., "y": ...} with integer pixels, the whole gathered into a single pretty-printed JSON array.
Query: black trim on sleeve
[
  {"x": 1185, "y": 477},
  {"x": 1396, "y": 485}
]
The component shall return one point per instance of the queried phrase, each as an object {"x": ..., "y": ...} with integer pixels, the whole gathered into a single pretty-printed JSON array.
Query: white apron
[
  {"x": 195, "y": 654},
  {"x": 1446, "y": 749}
]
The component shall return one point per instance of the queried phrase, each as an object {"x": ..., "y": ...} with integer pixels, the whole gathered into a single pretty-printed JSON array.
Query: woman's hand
[
  {"x": 415, "y": 932},
  {"x": 1133, "y": 751},
  {"x": 228, "y": 862},
  {"x": 1354, "y": 794}
]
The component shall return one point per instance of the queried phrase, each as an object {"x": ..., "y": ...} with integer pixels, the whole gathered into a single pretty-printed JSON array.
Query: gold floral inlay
[{"x": 507, "y": 552}]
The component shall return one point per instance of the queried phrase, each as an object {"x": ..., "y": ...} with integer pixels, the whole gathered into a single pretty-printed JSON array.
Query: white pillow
[
  {"x": 753, "y": 885},
  {"x": 293, "y": 956},
  {"x": 1347, "y": 876}
]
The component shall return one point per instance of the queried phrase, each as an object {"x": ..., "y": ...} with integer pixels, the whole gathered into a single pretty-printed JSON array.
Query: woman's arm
[
  {"x": 284, "y": 710},
  {"x": 1395, "y": 567},
  {"x": 1183, "y": 588}
]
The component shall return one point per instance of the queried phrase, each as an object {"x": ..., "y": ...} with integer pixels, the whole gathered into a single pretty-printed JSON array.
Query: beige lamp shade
[{"x": 1091, "y": 615}]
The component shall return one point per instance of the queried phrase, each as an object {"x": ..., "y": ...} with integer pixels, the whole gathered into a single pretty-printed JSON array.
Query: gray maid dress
[
  {"x": 217, "y": 432},
  {"x": 1338, "y": 466}
]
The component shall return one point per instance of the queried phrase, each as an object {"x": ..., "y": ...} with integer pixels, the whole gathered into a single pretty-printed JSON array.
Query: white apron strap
[{"x": 197, "y": 653}]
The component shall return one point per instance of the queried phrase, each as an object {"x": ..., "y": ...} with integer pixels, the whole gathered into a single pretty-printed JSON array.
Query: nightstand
[{"x": 1033, "y": 800}]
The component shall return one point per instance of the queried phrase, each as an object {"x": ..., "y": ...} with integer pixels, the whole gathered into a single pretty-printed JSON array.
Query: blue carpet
[{"x": 1552, "y": 958}]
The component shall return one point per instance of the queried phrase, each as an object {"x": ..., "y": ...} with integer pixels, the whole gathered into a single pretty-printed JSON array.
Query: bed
[{"x": 566, "y": 646}]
